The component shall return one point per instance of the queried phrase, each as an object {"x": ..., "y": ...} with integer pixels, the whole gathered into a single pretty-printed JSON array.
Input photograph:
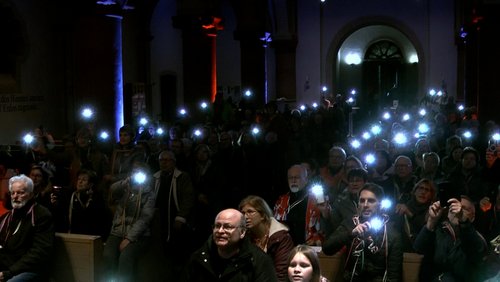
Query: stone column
[
  {"x": 97, "y": 59},
  {"x": 199, "y": 56}
]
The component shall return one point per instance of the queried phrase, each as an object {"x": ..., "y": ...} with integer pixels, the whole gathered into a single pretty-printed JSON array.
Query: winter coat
[
  {"x": 388, "y": 257},
  {"x": 249, "y": 264},
  {"x": 135, "y": 208},
  {"x": 28, "y": 247},
  {"x": 278, "y": 248},
  {"x": 451, "y": 252}
]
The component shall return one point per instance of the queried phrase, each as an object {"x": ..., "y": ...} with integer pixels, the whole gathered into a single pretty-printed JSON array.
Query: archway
[{"x": 381, "y": 64}]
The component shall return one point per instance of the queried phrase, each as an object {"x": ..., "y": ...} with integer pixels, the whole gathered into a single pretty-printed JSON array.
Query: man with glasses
[
  {"x": 398, "y": 187},
  {"x": 228, "y": 255}
]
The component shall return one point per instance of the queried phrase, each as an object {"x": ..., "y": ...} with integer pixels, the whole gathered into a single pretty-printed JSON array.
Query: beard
[{"x": 18, "y": 204}]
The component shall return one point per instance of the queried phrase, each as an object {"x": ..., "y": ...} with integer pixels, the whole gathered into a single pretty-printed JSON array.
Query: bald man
[{"x": 228, "y": 255}]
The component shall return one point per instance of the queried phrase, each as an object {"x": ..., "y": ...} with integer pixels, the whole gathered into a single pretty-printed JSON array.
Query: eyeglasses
[
  {"x": 226, "y": 227},
  {"x": 249, "y": 212}
]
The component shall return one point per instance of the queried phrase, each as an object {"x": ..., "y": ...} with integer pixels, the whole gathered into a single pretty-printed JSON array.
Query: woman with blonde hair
[{"x": 267, "y": 233}]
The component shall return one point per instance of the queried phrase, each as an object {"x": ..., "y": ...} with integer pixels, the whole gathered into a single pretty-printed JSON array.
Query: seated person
[
  {"x": 88, "y": 212},
  {"x": 298, "y": 210},
  {"x": 26, "y": 235},
  {"x": 303, "y": 265},
  {"x": 374, "y": 246},
  {"x": 451, "y": 246},
  {"x": 228, "y": 255},
  {"x": 346, "y": 204},
  {"x": 409, "y": 218},
  {"x": 267, "y": 233}
]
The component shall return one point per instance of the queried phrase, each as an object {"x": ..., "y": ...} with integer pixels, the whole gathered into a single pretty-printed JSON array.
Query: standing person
[
  {"x": 298, "y": 210},
  {"x": 125, "y": 154},
  {"x": 26, "y": 235},
  {"x": 375, "y": 252},
  {"x": 175, "y": 200},
  {"x": 303, "y": 265},
  {"x": 267, "y": 233},
  {"x": 228, "y": 255},
  {"x": 451, "y": 246},
  {"x": 87, "y": 155},
  {"x": 134, "y": 200}
]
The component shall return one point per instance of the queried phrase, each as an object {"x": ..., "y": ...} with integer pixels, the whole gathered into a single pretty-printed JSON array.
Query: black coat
[
  {"x": 30, "y": 248},
  {"x": 375, "y": 264},
  {"x": 250, "y": 264},
  {"x": 456, "y": 255}
]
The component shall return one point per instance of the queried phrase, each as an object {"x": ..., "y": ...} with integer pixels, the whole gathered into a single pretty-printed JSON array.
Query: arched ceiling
[{"x": 361, "y": 39}]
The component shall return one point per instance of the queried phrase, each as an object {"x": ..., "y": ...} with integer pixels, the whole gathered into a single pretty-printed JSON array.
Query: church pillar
[{"x": 98, "y": 77}]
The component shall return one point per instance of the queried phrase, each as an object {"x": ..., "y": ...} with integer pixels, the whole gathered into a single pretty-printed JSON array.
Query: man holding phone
[
  {"x": 298, "y": 209},
  {"x": 451, "y": 246}
]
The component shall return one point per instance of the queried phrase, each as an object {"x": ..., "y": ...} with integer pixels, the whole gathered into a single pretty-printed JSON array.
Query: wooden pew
[
  {"x": 77, "y": 258},
  {"x": 332, "y": 267},
  {"x": 411, "y": 266}
]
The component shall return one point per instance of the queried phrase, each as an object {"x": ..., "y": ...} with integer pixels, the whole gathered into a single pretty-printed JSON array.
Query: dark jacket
[
  {"x": 135, "y": 207},
  {"x": 344, "y": 207},
  {"x": 452, "y": 254},
  {"x": 250, "y": 264},
  {"x": 175, "y": 203},
  {"x": 30, "y": 248},
  {"x": 88, "y": 214},
  {"x": 278, "y": 248},
  {"x": 409, "y": 227},
  {"x": 375, "y": 264}
]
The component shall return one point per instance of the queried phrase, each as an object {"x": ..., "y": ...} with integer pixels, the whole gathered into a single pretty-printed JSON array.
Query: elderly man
[
  {"x": 298, "y": 209},
  {"x": 398, "y": 187},
  {"x": 175, "y": 200},
  {"x": 26, "y": 235},
  {"x": 228, "y": 255}
]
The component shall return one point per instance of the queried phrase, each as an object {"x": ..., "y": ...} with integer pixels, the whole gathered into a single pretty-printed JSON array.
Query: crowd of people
[{"x": 277, "y": 182}]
